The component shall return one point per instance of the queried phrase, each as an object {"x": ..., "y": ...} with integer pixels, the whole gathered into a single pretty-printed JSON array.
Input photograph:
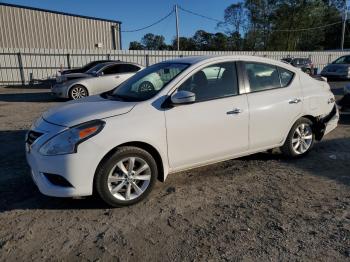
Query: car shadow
[
  {"x": 40, "y": 97},
  {"x": 35, "y": 83},
  {"x": 344, "y": 118},
  {"x": 17, "y": 191}
]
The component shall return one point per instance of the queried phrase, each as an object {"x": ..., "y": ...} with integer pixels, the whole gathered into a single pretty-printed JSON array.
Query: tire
[
  {"x": 116, "y": 179},
  {"x": 77, "y": 92},
  {"x": 146, "y": 86},
  {"x": 308, "y": 71},
  {"x": 299, "y": 145}
]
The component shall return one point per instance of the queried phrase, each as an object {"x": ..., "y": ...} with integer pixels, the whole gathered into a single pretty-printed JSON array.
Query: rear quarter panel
[{"x": 316, "y": 96}]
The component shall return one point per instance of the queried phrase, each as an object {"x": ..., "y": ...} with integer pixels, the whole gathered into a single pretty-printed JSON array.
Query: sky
[{"x": 136, "y": 14}]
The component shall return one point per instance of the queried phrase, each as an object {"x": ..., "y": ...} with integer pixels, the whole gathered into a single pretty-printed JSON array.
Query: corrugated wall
[
  {"x": 27, "y": 28},
  {"x": 28, "y": 65}
]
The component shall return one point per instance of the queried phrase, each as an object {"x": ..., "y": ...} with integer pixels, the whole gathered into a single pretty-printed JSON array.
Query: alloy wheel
[
  {"x": 78, "y": 92},
  {"x": 302, "y": 138},
  {"x": 129, "y": 178}
]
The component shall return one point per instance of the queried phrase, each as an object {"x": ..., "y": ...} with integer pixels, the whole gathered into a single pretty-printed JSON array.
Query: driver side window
[{"x": 212, "y": 82}]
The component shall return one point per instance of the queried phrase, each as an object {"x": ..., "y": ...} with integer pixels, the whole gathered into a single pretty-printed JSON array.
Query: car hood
[
  {"x": 82, "y": 110},
  {"x": 336, "y": 67},
  {"x": 72, "y": 76}
]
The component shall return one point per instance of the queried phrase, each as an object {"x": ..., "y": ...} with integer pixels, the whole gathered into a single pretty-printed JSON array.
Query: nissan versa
[{"x": 191, "y": 112}]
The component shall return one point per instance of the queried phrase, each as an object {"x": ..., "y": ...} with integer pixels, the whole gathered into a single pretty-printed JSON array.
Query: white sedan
[
  {"x": 204, "y": 110},
  {"x": 98, "y": 79}
]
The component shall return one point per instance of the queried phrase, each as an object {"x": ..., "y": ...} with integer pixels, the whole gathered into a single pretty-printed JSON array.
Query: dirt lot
[{"x": 261, "y": 207}]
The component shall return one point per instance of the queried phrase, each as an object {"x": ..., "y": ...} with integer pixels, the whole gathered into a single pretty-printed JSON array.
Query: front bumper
[
  {"x": 59, "y": 90},
  {"x": 78, "y": 168}
]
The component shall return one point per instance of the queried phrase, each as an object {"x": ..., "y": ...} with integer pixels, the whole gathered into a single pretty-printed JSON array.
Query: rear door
[
  {"x": 125, "y": 71},
  {"x": 275, "y": 103},
  {"x": 112, "y": 76}
]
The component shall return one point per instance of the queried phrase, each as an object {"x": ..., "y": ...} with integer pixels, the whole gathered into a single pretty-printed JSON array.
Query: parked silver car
[
  {"x": 101, "y": 78},
  {"x": 340, "y": 68},
  {"x": 305, "y": 64}
]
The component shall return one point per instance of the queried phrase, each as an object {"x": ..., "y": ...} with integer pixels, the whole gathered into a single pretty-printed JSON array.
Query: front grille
[{"x": 32, "y": 136}]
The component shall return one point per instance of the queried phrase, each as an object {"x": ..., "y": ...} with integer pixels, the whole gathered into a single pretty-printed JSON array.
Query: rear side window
[
  {"x": 264, "y": 76},
  {"x": 286, "y": 76},
  {"x": 128, "y": 68}
]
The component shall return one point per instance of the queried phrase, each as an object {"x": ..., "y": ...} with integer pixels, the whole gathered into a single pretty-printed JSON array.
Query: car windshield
[
  {"x": 95, "y": 69},
  {"x": 89, "y": 65},
  {"x": 342, "y": 60},
  {"x": 148, "y": 82}
]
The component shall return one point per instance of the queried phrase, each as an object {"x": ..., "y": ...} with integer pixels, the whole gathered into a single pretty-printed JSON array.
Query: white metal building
[{"x": 28, "y": 27}]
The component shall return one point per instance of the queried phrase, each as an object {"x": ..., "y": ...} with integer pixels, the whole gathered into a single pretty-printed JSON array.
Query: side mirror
[
  {"x": 183, "y": 97},
  {"x": 99, "y": 74}
]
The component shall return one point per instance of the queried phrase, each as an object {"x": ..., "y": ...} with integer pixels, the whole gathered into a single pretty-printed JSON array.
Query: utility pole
[
  {"x": 177, "y": 28},
  {"x": 345, "y": 17}
]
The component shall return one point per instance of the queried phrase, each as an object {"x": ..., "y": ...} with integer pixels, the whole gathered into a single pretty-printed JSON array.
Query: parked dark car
[
  {"x": 84, "y": 68},
  {"x": 338, "y": 69},
  {"x": 305, "y": 64}
]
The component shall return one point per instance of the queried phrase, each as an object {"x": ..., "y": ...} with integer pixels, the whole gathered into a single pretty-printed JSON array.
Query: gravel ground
[{"x": 261, "y": 207}]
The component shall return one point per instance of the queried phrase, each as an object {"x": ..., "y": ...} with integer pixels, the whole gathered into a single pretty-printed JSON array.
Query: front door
[{"x": 213, "y": 128}]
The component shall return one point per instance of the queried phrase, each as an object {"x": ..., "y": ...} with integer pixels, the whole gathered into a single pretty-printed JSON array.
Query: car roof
[
  {"x": 203, "y": 59},
  {"x": 118, "y": 62}
]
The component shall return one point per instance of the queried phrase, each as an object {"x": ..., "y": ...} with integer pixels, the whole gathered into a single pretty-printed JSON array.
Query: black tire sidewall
[{"x": 101, "y": 178}]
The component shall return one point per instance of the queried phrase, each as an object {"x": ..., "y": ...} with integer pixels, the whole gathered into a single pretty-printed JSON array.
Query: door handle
[
  {"x": 235, "y": 111},
  {"x": 117, "y": 76},
  {"x": 295, "y": 101}
]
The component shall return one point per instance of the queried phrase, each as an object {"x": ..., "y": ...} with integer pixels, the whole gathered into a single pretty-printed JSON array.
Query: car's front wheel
[
  {"x": 308, "y": 71},
  {"x": 300, "y": 139},
  {"x": 127, "y": 177},
  {"x": 78, "y": 91}
]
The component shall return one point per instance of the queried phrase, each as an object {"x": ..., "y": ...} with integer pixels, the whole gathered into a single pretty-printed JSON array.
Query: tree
[
  {"x": 203, "y": 40},
  {"x": 136, "y": 46},
  {"x": 265, "y": 25},
  {"x": 186, "y": 44},
  {"x": 154, "y": 42},
  {"x": 235, "y": 18}
]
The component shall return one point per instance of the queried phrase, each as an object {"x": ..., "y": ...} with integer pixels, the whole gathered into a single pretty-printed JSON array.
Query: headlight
[{"x": 67, "y": 141}]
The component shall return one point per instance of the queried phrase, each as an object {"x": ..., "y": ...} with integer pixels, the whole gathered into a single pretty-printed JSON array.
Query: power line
[
  {"x": 153, "y": 24},
  {"x": 306, "y": 29},
  {"x": 276, "y": 30},
  {"x": 200, "y": 15}
]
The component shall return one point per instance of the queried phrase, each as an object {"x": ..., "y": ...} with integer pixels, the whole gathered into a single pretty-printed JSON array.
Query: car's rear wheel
[
  {"x": 300, "y": 139},
  {"x": 78, "y": 91},
  {"x": 127, "y": 177}
]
